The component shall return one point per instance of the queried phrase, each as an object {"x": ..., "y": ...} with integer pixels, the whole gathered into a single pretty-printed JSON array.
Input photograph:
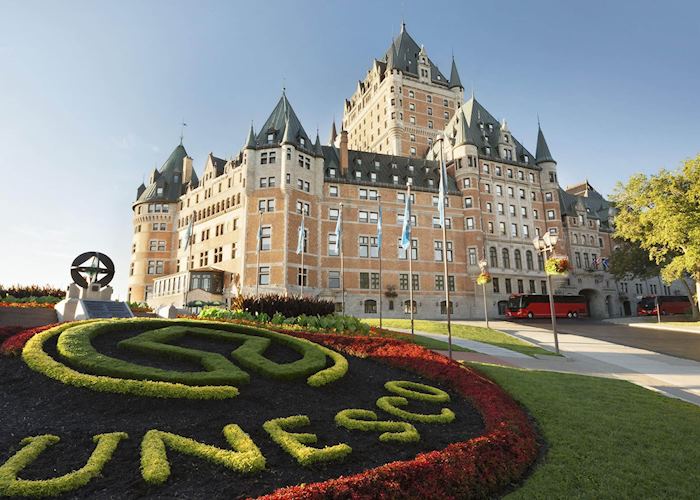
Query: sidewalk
[{"x": 671, "y": 376}]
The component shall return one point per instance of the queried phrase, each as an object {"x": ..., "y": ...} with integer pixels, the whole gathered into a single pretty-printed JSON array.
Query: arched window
[
  {"x": 443, "y": 309},
  {"x": 370, "y": 306},
  {"x": 407, "y": 305},
  {"x": 518, "y": 259},
  {"x": 506, "y": 259},
  {"x": 540, "y": 262},
  {"x": 575, "y": 239},
  {"x": 528, "y": 260},
  {"x": 493, "y": 256}
]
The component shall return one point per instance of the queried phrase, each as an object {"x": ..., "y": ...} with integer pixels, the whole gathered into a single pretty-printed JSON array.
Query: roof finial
[
  {"x": 538, "y": 120},
  {"x": 182, "y": 131}
]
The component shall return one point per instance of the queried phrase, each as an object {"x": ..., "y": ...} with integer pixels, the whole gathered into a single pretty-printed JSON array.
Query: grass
[
  {"x": 478, "y": 333},
  {"x": 433, "y": 344},
  {"x": 607, "y": 438}
]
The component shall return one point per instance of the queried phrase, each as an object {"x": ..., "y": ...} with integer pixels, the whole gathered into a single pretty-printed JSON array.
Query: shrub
[
  {"x": 366, "y": 420},
  {"x": 390, "y": 404},
  {"x": 419, "y": 392},
  {"x": 21, "y": 292},
  {"x": 11, "y": 485},
  {"x": 244, "y": 457},
  {"x": 288, "y": 306},
  {"x": 14, "y": 344},
  {"x": 296, "y": 443},
  {"x": 36, "y": 359}
]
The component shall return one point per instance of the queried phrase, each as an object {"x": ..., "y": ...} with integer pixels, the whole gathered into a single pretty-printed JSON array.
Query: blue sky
[{"x": 92, "y": 94}]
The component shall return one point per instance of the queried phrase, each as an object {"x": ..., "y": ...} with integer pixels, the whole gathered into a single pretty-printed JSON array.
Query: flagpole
[
  {"x": 303, "y": 244},
  {"x": 257, "y": 265},
  {"x": 443, "y": 181},
  {"x": 379, "y": 244},
  {"x": 342, "y": 264},
  {"x": 189, "y": 257},
  {"x": 410, "y": 258}
]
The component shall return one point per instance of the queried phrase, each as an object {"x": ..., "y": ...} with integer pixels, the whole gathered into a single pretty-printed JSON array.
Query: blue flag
[
  {"x": 406, "y": 231},
  {"x": 188, "y": 234},
  {"x": 300, "y": 237},
  {"x": 259, "y": 233},
  {"x": 442, "y": 193},
  {"x": 338, "y": 231},
  {"x": 379, "y": 229}
]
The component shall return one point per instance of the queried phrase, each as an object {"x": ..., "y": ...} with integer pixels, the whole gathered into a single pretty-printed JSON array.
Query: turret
[
  {"x": 544, "y": 160},
  {"x": 455, "y": 81}
]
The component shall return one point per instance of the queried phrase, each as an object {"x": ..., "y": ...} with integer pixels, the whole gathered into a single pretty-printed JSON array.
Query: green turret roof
[
  {"x": 454, "y": 76},
  {"x": 283, "y": 125},
  {"x": 166, "y": 183}
]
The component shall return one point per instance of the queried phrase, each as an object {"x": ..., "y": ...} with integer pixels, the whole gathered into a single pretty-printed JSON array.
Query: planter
[
  {"x": 484, "y": 278},
  {"x": 27, "y": 317},
  {"x": 557, "y": 266}
]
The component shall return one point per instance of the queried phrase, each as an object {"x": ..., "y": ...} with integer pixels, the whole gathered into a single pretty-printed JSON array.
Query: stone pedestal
[{"x": 89, "y": 303}]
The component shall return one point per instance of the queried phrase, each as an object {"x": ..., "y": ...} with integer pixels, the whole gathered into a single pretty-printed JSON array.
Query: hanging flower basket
[
  {"x": 483, "y": 278},
  {"x": 557, "y": 266}
]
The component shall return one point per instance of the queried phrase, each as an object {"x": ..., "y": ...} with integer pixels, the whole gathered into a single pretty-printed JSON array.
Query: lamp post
[
  {"x": 482, "y": 266},
  {"x": 545, "y": 245}
]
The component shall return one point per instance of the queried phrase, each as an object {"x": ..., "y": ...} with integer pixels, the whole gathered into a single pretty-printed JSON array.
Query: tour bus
[
  {"x": 669, "y": 304},
  {"x": 537, "y": 306}
]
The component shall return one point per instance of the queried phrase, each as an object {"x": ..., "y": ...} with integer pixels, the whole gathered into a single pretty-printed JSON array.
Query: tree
[
  {"x": 661, "y": 213},
  {"x": 629, "y": 260}
]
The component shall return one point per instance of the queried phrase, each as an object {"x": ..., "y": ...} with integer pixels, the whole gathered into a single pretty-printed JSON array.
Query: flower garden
[{"x": 238, "y": 408}]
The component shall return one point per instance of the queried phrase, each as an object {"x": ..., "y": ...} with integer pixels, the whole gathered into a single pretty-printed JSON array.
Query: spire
[
  {"x": 542, "y": 154},
  {"x": 318, "y": 150},
  {"x": 250, "y": 142},
  {"x": 287, "y": 136},
  {"x": 391, "y": 57},
  {"x": 334, "y": 134},
  {"x": 454, "y": 76}
]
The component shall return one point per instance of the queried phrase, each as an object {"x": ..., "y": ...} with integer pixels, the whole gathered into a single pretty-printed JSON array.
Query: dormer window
[
  {"x": 302, "y": 141},
  {"x": 270, "y": 138},
  {"x": 376, "y": 164},
  {"x": 358, "y": 174},
  {"x": 159, "y": 191},
  {"x": 526, "y": 159},
  {"x": 410, "y": 168},
  {"x": 490, "y": 127}
]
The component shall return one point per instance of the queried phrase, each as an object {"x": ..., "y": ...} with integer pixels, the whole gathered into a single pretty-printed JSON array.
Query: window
[
  {"x": 265, "y": 238},
  {"x": 551, "y": 214},
  {"x": 543, "y": 287},
  {"x": 469, "y": 223},
  {"x": 437, "y": 251},
  {"x": 501, "y": 209},
  {"x": 403, "y": 281},
  {"x": 333, "y": 191},
  {"x": 331, "y": 244},
  {"x": 493, "y": 257},
  {"x": 403, "y": 254},
  {"x": 429, "y": 98},
  {"x": 264, "y": 275},
  {"x": 499, "y": 190},
  {"x": 511, "y": 193},
  {"x": 540, "y": 262},
  {"x": 411, "y": 94},
  {"x": 548, "y": 197},
  {"x": 487, "y": 188},
  {"x": 502, "y": 227},
  {"x": 509, "y": 287},
  {"x": 486, "y": 170},
  {"x": 535, "y": 214},
  {"x": 514, "y": 230},
  {"x": 526, "y": 231},
  {"x": 490, "y": 227},
  {"x": 517, "y": 257},
  {"x": 489, "y": 207},
  {"x": 468, "y": 202},
  {"x": 415, "y": 282},
  {"x": 467, "y": 182},
  {"x": 577, "y": 258},
  {"x": 333, "y": 279},
  {"x": 233, "y": 250},
  {"x": 521, "y": 287},
  {"x": 528, "y": 260},
  {"x": 155, "y": 267},
  {"x": 497, "y": 170},
  {"x": 302, "y": 275},
  {"x": 511, "y": 210},
  {"x": 370, "y": 306},
  {"x": 506, "y": 260},
  {"x": 496, "y": 287},
  {"x": 471, "y": 256},
  {"x": 439, "y": 282}
]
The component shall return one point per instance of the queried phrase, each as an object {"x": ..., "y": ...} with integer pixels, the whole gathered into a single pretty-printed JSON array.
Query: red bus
[
  {"x": 669, "y": 304},
  {"x": 537, "y": 306}
]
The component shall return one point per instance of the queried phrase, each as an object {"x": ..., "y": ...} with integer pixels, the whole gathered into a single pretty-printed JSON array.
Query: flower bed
[
  {"x": 480, "y": 467},
  {"x": 13, "y": 344}
]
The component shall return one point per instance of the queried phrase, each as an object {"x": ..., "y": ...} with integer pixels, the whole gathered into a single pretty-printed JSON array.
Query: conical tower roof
[
  {"x": 454, "y": 76},
  {"x": 542, "y": 154},
  {"x": 250, "y": 141},
  {"x": 318, "y": 150},
  {"x": 166, "y": 182},
  {"x": 273, "y": 130},
  {"x": 334, "y": 134}
]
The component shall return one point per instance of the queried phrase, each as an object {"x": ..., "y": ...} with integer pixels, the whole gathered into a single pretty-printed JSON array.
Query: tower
[{"x": 403, "y": 102}]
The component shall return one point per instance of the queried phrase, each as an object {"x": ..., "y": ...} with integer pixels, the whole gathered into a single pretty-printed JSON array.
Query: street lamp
[
  {"x": 545, "y": 245},
  {"x": 482, "y": 266}
]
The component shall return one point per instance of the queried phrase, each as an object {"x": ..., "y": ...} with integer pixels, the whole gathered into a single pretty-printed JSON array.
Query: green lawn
[
  {"x": 434, "y": 344},
  {"x": 478, "y": 333},
  {"x": 607, "y": 438}
]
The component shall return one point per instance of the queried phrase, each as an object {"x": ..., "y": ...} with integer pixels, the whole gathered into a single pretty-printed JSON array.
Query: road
[{"x": 678, "y": 344}]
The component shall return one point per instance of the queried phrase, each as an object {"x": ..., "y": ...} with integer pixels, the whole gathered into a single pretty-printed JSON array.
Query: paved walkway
[
  {"x": 667, "y": 374},
  {"x": 472, "y": 345},
  {"x": 646, "y": 322}
]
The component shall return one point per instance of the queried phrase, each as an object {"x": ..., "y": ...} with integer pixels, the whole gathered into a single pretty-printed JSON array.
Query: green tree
[
  {"x": 661, "y": 213},
  {"x": 629, "y": 260}
]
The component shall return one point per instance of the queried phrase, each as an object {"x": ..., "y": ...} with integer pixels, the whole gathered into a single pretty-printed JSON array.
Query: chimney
[
  {"x": 343, "y": 152},
  {"x": 186, "y": 169}
]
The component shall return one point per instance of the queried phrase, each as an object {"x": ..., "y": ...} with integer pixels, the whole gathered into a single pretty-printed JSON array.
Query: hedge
[
  {"x": 366, "y": 420},
  {"x": 390, "y": 404},
  {"x": 11, "y": 485},
  {"x": 296, "y": 443},
  {"x": 288, "y": 306},
  {"x": 416, "y": 391},
  {"x": 245, "y": 456}
]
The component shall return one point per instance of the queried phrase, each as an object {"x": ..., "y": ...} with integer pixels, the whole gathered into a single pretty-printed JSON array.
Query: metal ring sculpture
[{"x": 100, "y": 265}]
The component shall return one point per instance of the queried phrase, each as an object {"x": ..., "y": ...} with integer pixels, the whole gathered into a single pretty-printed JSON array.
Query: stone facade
[{"x": 243, "y": 217}]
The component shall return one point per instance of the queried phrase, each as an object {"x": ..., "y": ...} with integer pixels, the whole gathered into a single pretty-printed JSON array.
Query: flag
[
  {"x": 339, "y": 231},
  {"x": 300, "y": 237},
  {"x": 606, "y": 263},
  {"x": 188, "y": 233},
  {"x": 259, "y": 233},
  {"x": 406, "y": 231},
  {"x": 442, "y": 193},
  {"x": 595, "y": 262},
  {"x": 379, "y": 229}
]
